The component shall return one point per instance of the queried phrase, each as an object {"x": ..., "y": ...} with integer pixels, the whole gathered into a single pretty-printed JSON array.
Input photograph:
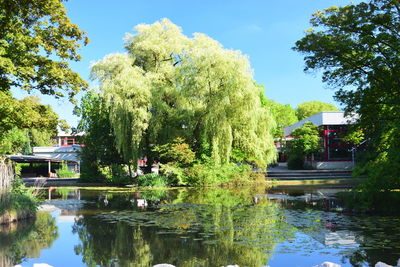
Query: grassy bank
[{"x": 16, "y": 201}]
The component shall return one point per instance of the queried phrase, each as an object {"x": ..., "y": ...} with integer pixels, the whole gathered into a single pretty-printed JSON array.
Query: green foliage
[
  {"x": 25, "y": 123},
  {"x": 357, "y": 47},
  {"x": 169, "y": 86},
  {"x": 19, "y": 198},
  {"x": 176, "y": 152},
  {"x": 306, "y": 140},
  {"x": 175, "y": 175},
  {"x": 127, "y": 95},
  {"x": 115, "y": 174},
  {"x": 295, "y": 162},
  {"x": 32, "y": 32},
  {"x": 355, "y": 136},
  {"x": 227, "y": 174},
  {"x": 152, "y": 180},
  {"x": 307, "y": 109},
  {"x": 99, "y": 150},
  {"x": 284, "y": 115},
  {"x": 13, "y": 141},
  {"x": 65, "y": 172}
]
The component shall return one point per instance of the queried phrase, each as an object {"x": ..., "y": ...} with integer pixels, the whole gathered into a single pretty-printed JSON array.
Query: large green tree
[
  {"x": 99, "y": 150},
  {"x": 307, "y": 109},
  {"x": 358, "y": 48},
  {"x": 168, "y": 85},
  {"x": 24, "y": 122},
  {"x": 283, "y": 114},
  {"x": 36, "y": 41},
  {"x": 306, "y": 142}
]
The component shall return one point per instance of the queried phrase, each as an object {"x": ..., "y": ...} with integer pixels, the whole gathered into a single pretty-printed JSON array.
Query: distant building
[
  {"x": 67, "y": 149},
  {"x": 334, "y": 126},
  {"x": 68, "y": 139}
]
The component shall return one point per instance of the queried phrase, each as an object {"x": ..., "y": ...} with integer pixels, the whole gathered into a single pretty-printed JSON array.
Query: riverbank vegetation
[{"x": 16, "y": 201}]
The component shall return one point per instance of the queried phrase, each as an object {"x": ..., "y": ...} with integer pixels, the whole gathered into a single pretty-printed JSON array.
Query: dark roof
[{"x": 32, "y": 158}]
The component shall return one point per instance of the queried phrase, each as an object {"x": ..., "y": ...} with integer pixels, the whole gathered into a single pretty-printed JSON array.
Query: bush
[
  {"x": 295, "y": 162},
  {"x": 176, "y": 152},
  {"x": 116, "y": 174},
  {"x": 18, "y": 198},
  {"x": 152, "y": 180},
  {"x": 90, "y": 173},
  {"x": 174, "y": 174},
  {"x": 65, "y": 172},
  {"x": 227, "y": 174}
]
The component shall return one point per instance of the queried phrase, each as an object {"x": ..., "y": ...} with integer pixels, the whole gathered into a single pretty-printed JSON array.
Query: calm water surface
[{"x": 200, "y": 227}]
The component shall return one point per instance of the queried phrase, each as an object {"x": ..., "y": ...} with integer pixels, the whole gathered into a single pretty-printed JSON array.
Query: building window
[{"x": 335, "y": 147}]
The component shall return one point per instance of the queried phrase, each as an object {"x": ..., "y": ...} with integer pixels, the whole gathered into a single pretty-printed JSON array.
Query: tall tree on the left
[{"x": 37, "y": 40}]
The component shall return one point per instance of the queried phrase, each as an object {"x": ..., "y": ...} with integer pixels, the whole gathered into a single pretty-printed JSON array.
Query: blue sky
[{"x": 265, "y": 30}]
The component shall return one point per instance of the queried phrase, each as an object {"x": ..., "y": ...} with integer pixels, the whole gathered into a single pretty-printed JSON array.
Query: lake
[{"x": 246, "y": 226}]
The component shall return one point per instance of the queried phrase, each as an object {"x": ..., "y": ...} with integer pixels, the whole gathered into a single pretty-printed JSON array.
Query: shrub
[
  {"x": 174, "y": 174},
  {"x": 90, "y": 173},
  {"x": 152, "y": 180},
  {"x": 115, "y": 174},
  {"x": 176, "y": 152},
  {"x": 65, "y": 172},
  {"x": 227, "y": 174},
  {"x": 18, "y": 198},
  {"x": 295, "y": 162}
]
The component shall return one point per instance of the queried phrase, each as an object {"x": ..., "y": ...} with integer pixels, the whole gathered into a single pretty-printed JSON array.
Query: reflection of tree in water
[
  {"x": 102, "y": 244},
  {"x": 364, "y": 239},
  {"x": 379, "y": 240},
  {"x": 27, "y": 239},
  {"x": 210, "y": 227}
]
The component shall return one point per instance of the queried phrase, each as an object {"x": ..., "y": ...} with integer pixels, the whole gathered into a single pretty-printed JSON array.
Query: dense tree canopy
[
  {"x": 306, "y": 140},
  {"x": 99, "y": 150},
  {"x": 307, "y": 109},
  {"x": 168, "y": 86},
  {"x": 25, "y": 121},
  {"x": 283, "y": 114},
  {"x": 36, "y": 40},
  {"x": 358, "y": 48}
]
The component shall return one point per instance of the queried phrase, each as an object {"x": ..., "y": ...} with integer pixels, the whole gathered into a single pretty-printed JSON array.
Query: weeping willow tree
[
  {"x": 168, "y": 85},
  {"x": 125, "y": 90}
]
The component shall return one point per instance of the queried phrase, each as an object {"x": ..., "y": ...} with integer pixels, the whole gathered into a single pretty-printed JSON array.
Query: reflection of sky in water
[
  {"x": 304, "y": 251},
  {"x": 62, "y": 251}
]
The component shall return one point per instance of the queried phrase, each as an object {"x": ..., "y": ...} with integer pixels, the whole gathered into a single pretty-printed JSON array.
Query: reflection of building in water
[
  {"x": 324, "y": 231},
  {"x": 141, "y": 202},
  {"x": 323, "y": 226},
  {"x": 68, "y": 216},
  {"x": 63, "y": 193}
]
